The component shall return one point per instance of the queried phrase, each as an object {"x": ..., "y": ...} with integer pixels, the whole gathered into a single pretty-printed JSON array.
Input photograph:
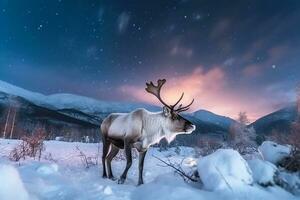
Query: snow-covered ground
[{"x": 62, "y": 175}]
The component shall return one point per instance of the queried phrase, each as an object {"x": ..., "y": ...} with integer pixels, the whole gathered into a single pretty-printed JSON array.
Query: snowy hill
[
  {"x": 62, "y": 174},
  {"x": 96, "y": 107},
  {"x": 68, "y": 115},
  {"x": 207, "y": 124},
  {"x": 212, "y": 118},
  {"x": 279, "y": 121},
  {"x": 51, "y": 110},
  {"x": 71, "y": 101},
  {"x": 18, "y": 116}
]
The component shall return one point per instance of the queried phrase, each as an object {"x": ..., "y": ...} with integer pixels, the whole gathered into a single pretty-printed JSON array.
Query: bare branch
[
  {"x": 86, "y": 160},
  {"x": 179, "y": 171}
]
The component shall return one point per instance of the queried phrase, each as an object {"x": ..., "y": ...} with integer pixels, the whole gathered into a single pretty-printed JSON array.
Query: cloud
[
  {"x": 229, "y": 62},
  {"x": 220, "y": 29},
  {"x": 207, "y": 87},
  {"x": 178, "y": 49},
  {"x": 252, "y": 70},
  {"x": 273, "y": 56},
  {"x": 277, "y": 52},
  {"x": 123, "y": 21},
  {"x": 198, "y": 83},
  {"x": 212, "y": 91}
]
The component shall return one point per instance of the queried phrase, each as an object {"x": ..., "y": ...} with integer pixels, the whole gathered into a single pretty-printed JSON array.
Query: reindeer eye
[{"x": 174, "y": 116}]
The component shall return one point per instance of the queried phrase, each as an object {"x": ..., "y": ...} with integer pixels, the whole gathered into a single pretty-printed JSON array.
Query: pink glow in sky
[{"x": 211, "y": 91}]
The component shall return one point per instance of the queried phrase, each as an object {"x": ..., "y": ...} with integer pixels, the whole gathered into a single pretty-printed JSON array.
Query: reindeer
[{"x": 140, "y": 129}]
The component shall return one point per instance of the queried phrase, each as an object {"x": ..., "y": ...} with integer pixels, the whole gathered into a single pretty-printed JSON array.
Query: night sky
[{"x": 230, "y": 56}]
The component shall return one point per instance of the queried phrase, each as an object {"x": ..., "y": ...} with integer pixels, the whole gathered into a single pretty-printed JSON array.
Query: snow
[
  {"x": 91, "y": 106},
  {"x": 170, "y": 187},
  {"x": 17, "y": 91},
  {"x": 263, "y": 172},
  {"x": 291, "y": 181},
  {"x": 65, "y": 177},
  {"x": 273, "y": 152},
  {"x": 11, "y": 184},
  {"x": 107, "y": 190},
  {"x": 47, "y": 169},
  {"x": 224, "y": 169}
]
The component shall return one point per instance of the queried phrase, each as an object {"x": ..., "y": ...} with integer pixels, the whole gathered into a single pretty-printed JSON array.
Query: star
[{"x": 40, "y": 27}]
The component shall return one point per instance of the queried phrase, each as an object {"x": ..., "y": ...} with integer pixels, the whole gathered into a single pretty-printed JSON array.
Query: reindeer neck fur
[{"x": 155, "y": 128}]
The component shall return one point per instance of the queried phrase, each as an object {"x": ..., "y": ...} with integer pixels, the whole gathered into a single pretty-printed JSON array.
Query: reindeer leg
[
  {"x": 127, "y": 148},
  {"x": 113, "y": 152},
  {"x": 141, "y": 166},
  {"x": 106, "y": 145}
]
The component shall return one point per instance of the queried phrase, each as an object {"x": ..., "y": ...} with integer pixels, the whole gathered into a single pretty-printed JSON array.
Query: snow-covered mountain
[
  {"x": 51, "y": 110},
  {"x": 213, "y": 118},
  {"x": 97, "y": 107},
  {"x": 278, "y": 121},
  {"x": 71, "y": 101},
  {"x": 19, "y": 117},
  {"x": 17, "y": 91}
]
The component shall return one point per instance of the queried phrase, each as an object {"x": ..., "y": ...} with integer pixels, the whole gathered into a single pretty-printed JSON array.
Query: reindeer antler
[
  {"x": 155, "y": 90},
  {"x": 185, "y": 108}
]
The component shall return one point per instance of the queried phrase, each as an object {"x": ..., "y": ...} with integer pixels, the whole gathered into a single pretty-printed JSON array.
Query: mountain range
[
  {"x": 73, "y": 116},
  {"x": 277, "y": 122}
]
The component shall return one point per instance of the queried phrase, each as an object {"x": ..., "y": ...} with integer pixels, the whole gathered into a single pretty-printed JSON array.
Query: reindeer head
[{"x": 174, "y": 123}]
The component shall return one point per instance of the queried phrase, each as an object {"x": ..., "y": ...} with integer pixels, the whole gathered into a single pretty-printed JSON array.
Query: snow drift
[
  {"x": 64, "y": 176},
  {"x": 224, "y": 169},
  {"x": 273, "y": 152},
  {"x": 11, "y": 185},
  {"x": 263, "y": 172}
]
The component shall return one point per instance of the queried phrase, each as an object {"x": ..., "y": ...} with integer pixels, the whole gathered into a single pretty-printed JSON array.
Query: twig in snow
[
  {"x": 224, "y": 178},
  {"x": 179, "y": 171},
  {"x": 87, "y": 161}
]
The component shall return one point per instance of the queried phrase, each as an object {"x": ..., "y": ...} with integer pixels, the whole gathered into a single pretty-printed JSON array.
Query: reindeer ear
[{"x": 166, "y": 111}]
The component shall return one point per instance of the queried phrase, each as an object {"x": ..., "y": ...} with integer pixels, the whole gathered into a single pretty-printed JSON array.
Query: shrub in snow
[
  {"x": 87, "y": 161},
  {"x": 263, "y": 172},
  {"x": 208, "y": 145},
  {"x": 289, "y": 181},
  {"x": 225, "y": 168},
  {"x": 292, "y": 162},
  {"x": 242, "y": 138},
  {"x": 31, "y": 146},
  {"x": 11, "y": 186},
  {"x": 273, "y": 152}
]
